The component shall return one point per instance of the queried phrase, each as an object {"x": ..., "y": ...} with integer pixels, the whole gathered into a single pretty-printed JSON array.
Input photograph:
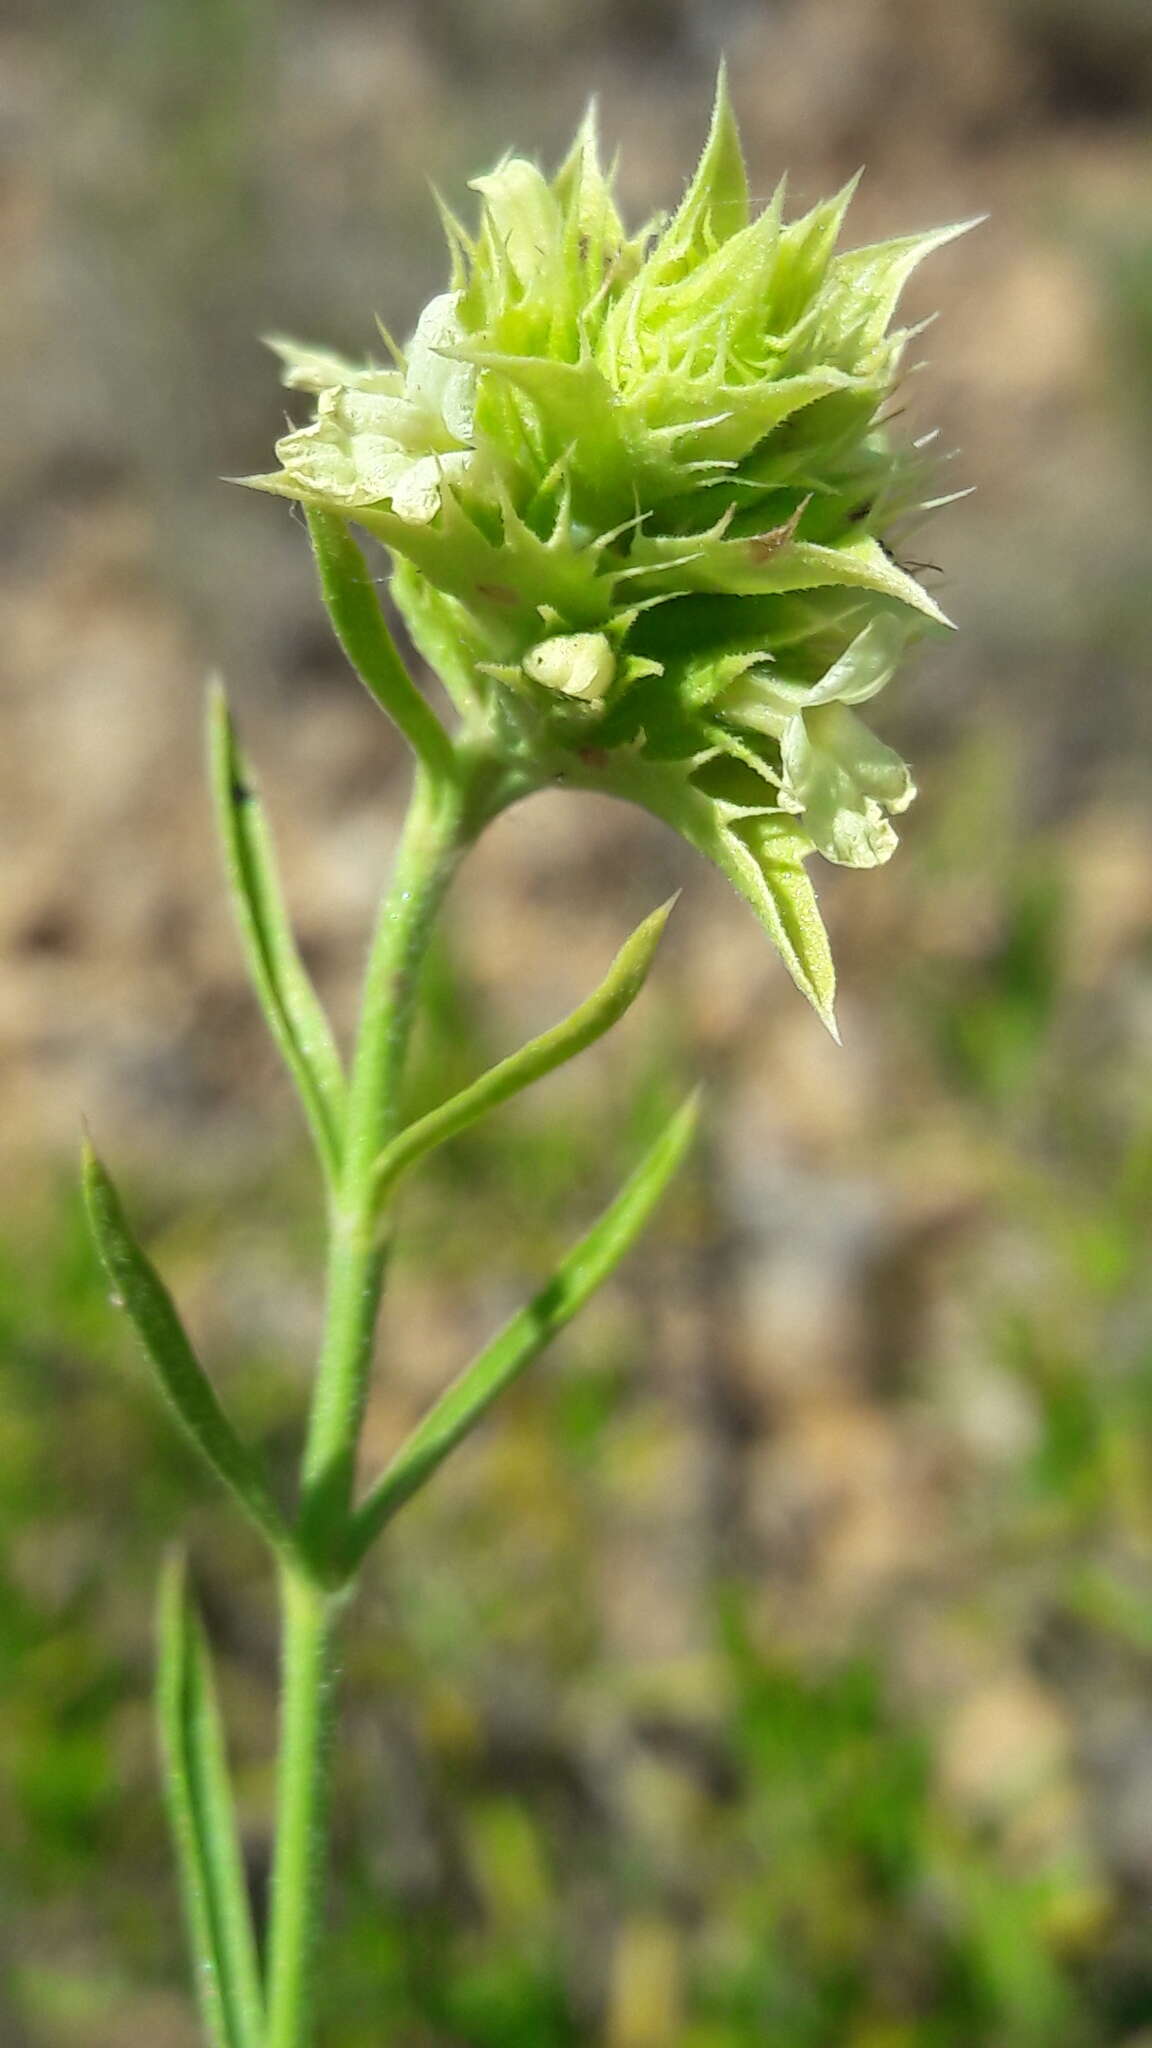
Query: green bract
[{"x": 635, "y": 488}]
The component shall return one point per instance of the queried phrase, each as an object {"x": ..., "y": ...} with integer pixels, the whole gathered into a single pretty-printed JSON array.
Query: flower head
[{"x": 639, "y": 492}]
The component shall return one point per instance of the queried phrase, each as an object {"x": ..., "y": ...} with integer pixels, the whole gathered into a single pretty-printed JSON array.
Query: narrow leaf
[
  {"x": 204, "y": 1826},
  {"x": 293, "y": 1010},
  {"x": 616, "y": 994},
  {"x": 522, "y": 1339},
  {"x": 139, "y": 1290},
  {"x": 362, "y": 631}
]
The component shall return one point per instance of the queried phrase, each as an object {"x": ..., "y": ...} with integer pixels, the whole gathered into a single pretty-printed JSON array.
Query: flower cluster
[{"x": 640, "y": 497}]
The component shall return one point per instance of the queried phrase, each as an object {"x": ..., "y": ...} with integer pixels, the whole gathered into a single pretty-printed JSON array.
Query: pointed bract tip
[
  {"x": 931, "y": 239},
  {"x": 842, "y": 199},
  {"x": 588, "y": 132},
  {"x": 276, "y": 483},
  {"x": 717, "y": 197},
  {"x": 391, "y": 344}
]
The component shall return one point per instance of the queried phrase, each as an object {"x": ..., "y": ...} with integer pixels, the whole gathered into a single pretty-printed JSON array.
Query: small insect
[{"x": 911, "y": 568}]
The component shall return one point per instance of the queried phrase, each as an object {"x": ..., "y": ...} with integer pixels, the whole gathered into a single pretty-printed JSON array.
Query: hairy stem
[
  {"x": 433, "y": 840},
  {"x": 446, "y": 812},
  {"x": 302, "y": 1809}
]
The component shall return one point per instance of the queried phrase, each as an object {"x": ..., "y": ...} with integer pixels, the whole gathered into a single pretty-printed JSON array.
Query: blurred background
[{"x": 777, "y": 1668}]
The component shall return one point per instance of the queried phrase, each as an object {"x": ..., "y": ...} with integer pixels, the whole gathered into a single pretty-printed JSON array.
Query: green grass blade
[
  {"x": 586, "y": 1267},
  {"x": 362, "y": 630},
  {"x": 616, "y": 994},
  {"x": 204, "y": 1826},
  {"x": 293, "y": 1010},
  {"x": 139, "y": 1290}
]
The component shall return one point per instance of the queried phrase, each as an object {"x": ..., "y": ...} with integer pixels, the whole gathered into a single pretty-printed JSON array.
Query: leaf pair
[
  {"x": 139, "y": 1289},
  {"x": 577, "y": 1277}
]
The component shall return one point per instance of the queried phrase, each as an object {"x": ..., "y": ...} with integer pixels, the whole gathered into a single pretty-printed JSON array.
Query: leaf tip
[
  {"x": 633, "y": 962},
  {"x": 680, "y": 1132},
  {"x": 218, "y": 722},
  {"x": 95, "y": 1180},
  {"x": 227, "y": 767},
  {"x": 657, "y": 919},
  {"x": 172, "y": 1591},
  {"x": 689, "y": 1113},
  {"x": 217, "y": 694}
]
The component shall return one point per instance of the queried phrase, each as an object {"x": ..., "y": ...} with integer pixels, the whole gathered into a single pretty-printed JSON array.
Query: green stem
[
  {"x": 434, "y": 837},
  {"x": 446, "y": 812},
  {"x": 302, "y": 1809}
]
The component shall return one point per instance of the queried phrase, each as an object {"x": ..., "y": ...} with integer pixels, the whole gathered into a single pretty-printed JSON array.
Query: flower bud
[
  {"x": 652, "y": 473},
  {"x": 577, "y": 664}
]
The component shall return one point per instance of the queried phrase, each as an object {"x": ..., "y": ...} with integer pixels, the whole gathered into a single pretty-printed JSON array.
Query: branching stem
[{"x": 461, "y": 784}]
